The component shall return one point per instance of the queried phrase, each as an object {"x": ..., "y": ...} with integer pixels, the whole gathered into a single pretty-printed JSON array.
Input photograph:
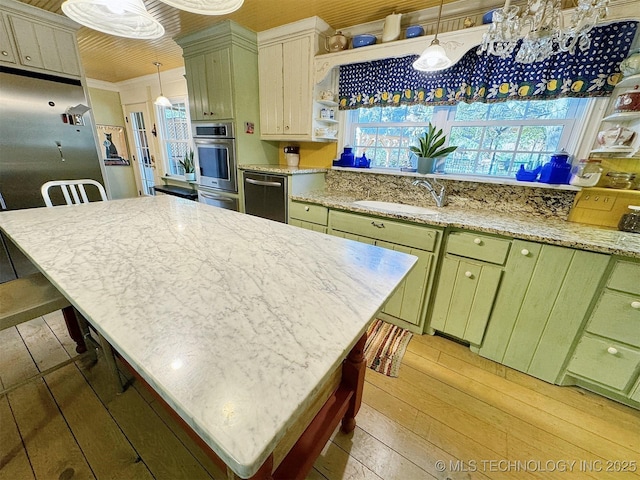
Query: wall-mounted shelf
[
  {"x": 327, "y": 120},
  {"x": 328, "y": 103},
  {"x": 633, "y": 80},
  {"x": 613, "y": 150},
  {"x": 621, "y": 117}
]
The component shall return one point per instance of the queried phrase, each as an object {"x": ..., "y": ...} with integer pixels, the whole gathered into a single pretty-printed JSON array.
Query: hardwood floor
[{"x": 450, "y": 414}]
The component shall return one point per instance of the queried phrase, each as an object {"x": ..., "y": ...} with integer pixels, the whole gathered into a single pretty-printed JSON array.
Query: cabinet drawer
[
  {"x": 625, "y": 277},
  {"x": 617, "y": 316},
  {"x": 593, "y": 360},
  {"x": 410, "y": 235},
  {"x": 308, "y": 212},
  {"x": 478, "y": 247}
]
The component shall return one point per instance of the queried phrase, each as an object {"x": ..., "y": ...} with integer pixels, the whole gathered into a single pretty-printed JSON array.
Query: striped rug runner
[{"x": 385, "y": 347}]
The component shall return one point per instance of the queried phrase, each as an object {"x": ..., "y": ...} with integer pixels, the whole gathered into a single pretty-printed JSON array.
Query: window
[
  {"x": 175, "y": 134},
  {"x": 492, "y": 138}
]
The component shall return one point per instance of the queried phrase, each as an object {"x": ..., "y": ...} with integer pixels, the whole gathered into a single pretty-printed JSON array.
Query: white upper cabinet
[{"x": 285, "y": 64}]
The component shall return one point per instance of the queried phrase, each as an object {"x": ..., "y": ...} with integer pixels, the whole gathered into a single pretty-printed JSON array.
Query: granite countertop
[
  {"x": 554, "y": 232},
  {"x": 283, "y": 169},
  {"x": 244, "y": 328}
]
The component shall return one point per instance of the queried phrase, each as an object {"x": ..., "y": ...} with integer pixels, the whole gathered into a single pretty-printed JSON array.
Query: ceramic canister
[{"x": 391, "y": 29}]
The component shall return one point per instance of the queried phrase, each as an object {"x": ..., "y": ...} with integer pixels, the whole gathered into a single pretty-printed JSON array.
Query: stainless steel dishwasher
[{"x": 265, "y": 196}]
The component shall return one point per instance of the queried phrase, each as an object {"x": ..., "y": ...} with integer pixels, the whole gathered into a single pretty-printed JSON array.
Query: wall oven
[{"x": 216, "y": 151}]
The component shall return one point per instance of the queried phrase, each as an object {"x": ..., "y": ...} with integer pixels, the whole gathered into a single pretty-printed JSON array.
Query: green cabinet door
[
  {"x": 463, "y": 301},
  {"x": 209, "y": 85},
  {"x": 541, "y": 307},
  {"x": 408, "y": 300}
]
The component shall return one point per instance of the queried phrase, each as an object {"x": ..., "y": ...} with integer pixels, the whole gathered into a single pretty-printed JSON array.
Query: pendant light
[
  {"x": 206, "y": 7},
  {"x": 161, "y": 101},
  {"x": 434, "y": 57},
  {"x": 124, "y": 18}
]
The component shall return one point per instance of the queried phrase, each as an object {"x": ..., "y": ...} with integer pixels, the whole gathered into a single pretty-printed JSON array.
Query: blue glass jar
[
  {"x": 347, "y": 158},
  {"x": 557, "y": 170}
]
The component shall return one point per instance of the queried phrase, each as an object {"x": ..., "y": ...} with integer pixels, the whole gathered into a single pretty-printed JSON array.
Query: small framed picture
[{"x": 114, "y": 145}]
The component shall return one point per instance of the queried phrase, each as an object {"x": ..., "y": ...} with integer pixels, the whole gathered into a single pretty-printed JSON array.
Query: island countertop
[
  {"x": 544, "y": 230},
  {"x": 240, "y": 332}
]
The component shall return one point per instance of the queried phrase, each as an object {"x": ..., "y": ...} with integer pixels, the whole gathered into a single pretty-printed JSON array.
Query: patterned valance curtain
[{"x": 487, "y": 78}]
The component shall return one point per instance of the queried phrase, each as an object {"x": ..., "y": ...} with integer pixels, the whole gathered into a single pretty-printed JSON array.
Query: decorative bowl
[
  {"x": 414, "y": 31},
  {"x": 363, "y": 40},
  {"x": 627, "y": 102}
]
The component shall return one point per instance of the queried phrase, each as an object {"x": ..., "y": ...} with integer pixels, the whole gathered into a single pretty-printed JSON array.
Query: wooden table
[{"x": 244, "y": 327}]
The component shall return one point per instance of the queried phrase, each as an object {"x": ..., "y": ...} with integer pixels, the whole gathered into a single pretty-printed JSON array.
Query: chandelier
[{"x": 540, "y": 27}]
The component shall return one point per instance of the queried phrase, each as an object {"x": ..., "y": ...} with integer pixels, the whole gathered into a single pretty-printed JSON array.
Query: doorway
[{"x": 137, "y": 118}]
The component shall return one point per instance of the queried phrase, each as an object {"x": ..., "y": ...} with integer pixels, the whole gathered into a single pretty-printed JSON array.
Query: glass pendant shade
[
  {"x": 161, "y": 101},
  {"x": 432, "y": 59},
  {"x": 206, "y": 7},
  {"x": 124, "y": 18}
]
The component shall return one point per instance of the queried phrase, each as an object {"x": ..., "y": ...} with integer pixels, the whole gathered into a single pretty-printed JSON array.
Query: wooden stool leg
[
  {"x": 75, "y": 333},
  {"x": 353, "y": 375}
]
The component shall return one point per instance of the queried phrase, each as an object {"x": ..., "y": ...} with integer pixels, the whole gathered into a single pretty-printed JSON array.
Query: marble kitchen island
[{"x": 238, "y": 323}]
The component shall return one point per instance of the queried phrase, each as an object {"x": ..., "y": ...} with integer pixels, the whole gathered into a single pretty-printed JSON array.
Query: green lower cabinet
[
  {"x": 635, "y": 394},
  {"x": 463, "y": 301},
  {"x": 407, "y": 302},
  {"x": 606, "y": 362},
  {"x": 308, "y": 225},
  {"x": 407, "y": 307},
  {"x": 545, "y": 296}
]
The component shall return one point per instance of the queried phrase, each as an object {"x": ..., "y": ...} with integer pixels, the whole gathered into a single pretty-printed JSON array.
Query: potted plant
[
  {"x": 430, "y": 148},
  {"x": 188, "y": 166}
]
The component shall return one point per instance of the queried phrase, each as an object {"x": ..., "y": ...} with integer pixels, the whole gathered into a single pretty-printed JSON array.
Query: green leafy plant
[
  {"x": 187, "y": 162},
  {"x": 430, "y": 144}
]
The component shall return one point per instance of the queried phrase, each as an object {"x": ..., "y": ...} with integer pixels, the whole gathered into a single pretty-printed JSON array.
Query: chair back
[{"x": 73, "y": 191}]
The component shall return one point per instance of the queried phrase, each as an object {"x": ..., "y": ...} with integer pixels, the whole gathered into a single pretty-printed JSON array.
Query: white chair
[{"x": 73, "y": 190}]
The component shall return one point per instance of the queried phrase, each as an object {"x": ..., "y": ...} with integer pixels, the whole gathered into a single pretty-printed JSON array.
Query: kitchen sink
[{"x": 395, "y": 207}]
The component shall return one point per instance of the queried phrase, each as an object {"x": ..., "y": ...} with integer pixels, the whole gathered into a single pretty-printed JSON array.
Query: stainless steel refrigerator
[{"x": 45, "y": 134}]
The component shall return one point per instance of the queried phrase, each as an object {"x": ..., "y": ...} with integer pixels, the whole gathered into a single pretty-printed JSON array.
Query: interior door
[{"x": 138, "y": 129}]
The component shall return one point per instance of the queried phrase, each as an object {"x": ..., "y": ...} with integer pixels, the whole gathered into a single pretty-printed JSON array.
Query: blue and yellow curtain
[{"x": 487, "y": 78}]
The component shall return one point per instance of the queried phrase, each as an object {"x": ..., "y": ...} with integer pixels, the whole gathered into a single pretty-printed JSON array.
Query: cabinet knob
[
  {"x": 635, "y": 305},
  {"x": 477, "y": 241},
  {"x": 205, "y": 113},
  {"x": 524, "y": 252},
  {"x": 468, "y": 274},
  {"x": 27, "y": 58},
  {"x": 612, "y": 350},
  {"x": 5, "y": 53},
  {"x": 306, "y": 209}
]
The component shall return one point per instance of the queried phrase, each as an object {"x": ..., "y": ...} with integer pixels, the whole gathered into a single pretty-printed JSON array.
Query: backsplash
[{"x": 510, "y": 199}]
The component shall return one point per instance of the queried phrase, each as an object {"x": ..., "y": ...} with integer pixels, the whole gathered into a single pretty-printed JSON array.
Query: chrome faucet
[{"x": 439, "y": 196}]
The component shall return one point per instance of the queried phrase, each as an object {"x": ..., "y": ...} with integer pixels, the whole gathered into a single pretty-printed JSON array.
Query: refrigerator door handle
[
  {"x": 3, "y": 206},
  {"x": 59, "y": 145}
]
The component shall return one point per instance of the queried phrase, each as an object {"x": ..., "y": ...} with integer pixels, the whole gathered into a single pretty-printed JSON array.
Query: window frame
[
  {"x": 164, "y": 141},
  {"x": 572, "y": 138}
]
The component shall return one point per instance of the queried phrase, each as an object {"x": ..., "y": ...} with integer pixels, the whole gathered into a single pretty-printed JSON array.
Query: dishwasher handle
[{"x": 262, "y": 183}]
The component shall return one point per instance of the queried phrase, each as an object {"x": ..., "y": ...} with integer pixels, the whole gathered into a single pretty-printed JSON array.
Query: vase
[
  {"x": 190, "y": 177},
  {"x": 425, "y": 165}
]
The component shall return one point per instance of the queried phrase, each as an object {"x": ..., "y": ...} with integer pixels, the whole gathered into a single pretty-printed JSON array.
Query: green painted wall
[{"x": 107, "y": 110}]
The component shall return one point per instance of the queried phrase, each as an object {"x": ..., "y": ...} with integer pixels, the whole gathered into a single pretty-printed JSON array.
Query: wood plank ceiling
[{"x": 114, "y": 59}]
